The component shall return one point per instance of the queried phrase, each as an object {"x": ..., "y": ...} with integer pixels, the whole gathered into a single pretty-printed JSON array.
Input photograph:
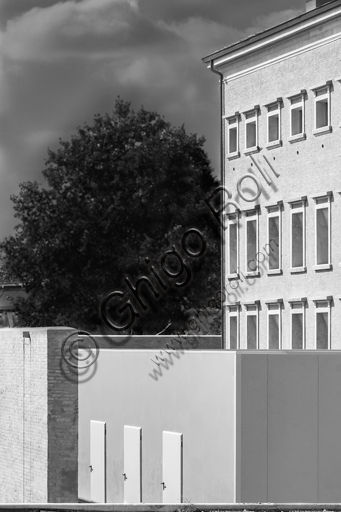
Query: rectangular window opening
[
  {"x": 251, "y": 134},
  {"x": 252, "y": 335},
  {"x": 251, "y": 244},
  {"x": 322, "y": 330},
  {"x": 232, "y": 140},
  {"x": 273, "y": 128},
  {"x": 297, "y": 236},
  {"x": 322, "y": 107},
  {"x": 322, "y": 231},
  {"x": 233, "y": 244},
  {"x": 322, "y": 113},
  {"x": 274, "y": 241},
  {"x": 297, "y": 325},
  {"x": 297, "y": 330},
  {"x": 297, "y": 120},
  {"x": 233, "y": 330}
]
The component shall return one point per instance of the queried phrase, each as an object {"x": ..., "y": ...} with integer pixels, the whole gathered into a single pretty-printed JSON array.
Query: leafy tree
[{"x": 123, "y": 189}]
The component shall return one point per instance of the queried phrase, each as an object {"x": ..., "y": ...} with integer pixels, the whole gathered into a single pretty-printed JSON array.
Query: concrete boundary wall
[
  {"x": 193, "y": 507},
  {"x": 257, "y": 425},
  {"x": 151, "y": 342}
]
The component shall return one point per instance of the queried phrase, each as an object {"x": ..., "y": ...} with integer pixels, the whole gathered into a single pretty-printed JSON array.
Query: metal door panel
[
  {"x": 97, "y": 461},
  {"x": 132, "y": 464},
  {"x": 172, "y": 467}
]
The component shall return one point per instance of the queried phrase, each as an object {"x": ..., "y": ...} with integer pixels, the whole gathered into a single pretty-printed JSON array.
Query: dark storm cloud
[
  {"x": 234, "y": 14},
  {"x": 63, "y": 62}
]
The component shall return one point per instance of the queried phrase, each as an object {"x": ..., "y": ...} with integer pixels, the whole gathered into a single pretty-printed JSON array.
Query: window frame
[
  {"x": 302, "y": 302},
  {"x": 255, "y": 110},
  {"x": 232, "y": 218},
  {"x": 271, "y": 113},
  {"x": 319, "y": 308},
  {"x": 317, "y": 98},
  {"x": 233, "y": 125},
  {"x": 294, "y": 208},
  {"x": 294, "y": 104},
  {"x": 272, "y": 312},
  {"x": 320, "y": 206},
  {"x": 234, "y": 312},
  {"x": 251, "y": 215},
  {"x": 252, "y": 312},
  {"x": 274, "y": 211}
]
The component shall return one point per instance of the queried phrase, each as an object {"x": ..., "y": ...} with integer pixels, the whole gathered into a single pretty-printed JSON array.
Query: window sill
[
  {"x": 254, "y": 273},
  {"x": 274, "y": 272},
  {"x": 325, "y": 266},
  {"x": 322, "y": 130},
  {"x": 231, "y": 156},
  {"x": 233, "y": 276},
  {"x": 274, "y": 144},
  {"x": 249, "y": 151},
  {"x": 296, "y": 270},
  {"x": 297, "y": 138}
]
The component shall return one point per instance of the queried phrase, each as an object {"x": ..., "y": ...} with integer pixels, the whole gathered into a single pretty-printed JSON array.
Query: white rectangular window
[
  {"x": 322, "y": 109},
  {"x": 274, "y": 123},
  {"x": 251, "y": 129},
  {"x": 297, "y": 325},
  {"x": 274, "y": 239},
  {"x": 233, "y": 328},
  {"x": 252, "y": 341},
  {"x": 233, "y": 136},
  {"x": 274, "y": 326},
  {"x": 322, "y": 232},
  {"x": 251, "y": 249},
  {"x": 233, "y": 245},
  {"x": 297, "y": 236},
  {"x": 322, "y": 324},
  {"x": 297, "y": 116}
]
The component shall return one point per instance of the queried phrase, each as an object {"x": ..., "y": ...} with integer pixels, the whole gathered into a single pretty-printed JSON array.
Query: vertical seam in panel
[
  {"x": 235, "y": 428},
  {"x": 318, "y": 426},
  {"x": 105, "y": 462},
  {"x": 267, "y": 428}
]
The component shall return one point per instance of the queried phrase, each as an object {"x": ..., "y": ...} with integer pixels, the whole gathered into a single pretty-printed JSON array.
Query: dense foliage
[{"x": 122, "y": 189}]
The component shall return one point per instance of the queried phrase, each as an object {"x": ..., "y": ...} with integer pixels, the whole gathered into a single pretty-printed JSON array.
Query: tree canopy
[{"x": 123, "y": 189}]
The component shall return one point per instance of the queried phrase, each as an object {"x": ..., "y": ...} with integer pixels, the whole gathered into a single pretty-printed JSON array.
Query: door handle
[
  {"x": 91, "y": 469},
  {"x": 163, "y": 485},
  {"x": 124, "y": 476}
]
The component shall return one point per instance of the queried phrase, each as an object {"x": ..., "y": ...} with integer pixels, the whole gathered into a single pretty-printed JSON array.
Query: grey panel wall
[
  {"x": 292, "y": 428},
  {"x": 253, "y": 472},
  {"x": 329, "y": 484},
  {"x": 290, "y": 436}
]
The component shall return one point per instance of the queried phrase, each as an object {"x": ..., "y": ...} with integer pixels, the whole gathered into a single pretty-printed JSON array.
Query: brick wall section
[
  {"x": 62, "y": 423},
  {"x": 38, "y": 418},
  {"x": 23, "y": 416}
]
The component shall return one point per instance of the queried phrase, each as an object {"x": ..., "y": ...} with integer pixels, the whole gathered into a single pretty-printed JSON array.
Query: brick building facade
[{"x": 281, "y": 112}]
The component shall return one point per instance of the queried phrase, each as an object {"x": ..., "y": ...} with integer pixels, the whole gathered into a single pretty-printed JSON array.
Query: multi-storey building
[{"x": 281, "y": 120}]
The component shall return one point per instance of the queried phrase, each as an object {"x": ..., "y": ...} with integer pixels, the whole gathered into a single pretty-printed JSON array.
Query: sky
[{"x": 62, "y": 62}]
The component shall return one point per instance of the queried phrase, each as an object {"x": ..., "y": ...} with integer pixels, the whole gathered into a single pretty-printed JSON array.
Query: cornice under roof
[{"x": 271, "y": 31}]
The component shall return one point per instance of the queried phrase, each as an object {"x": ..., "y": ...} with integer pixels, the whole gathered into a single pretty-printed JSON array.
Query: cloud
[
  {"x": 61, "y": 62},
  {"x": 89, "y": 29}
]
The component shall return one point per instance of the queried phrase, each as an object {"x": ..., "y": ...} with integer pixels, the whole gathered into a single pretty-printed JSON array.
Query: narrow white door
[
  {"x": 171, "y": 467},
  {"x": 97, "y": 461},
  {"x": 132, "y": 464}
]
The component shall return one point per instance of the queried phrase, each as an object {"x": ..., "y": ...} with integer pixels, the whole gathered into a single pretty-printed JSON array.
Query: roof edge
[{"x": 270, "y": 31}]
